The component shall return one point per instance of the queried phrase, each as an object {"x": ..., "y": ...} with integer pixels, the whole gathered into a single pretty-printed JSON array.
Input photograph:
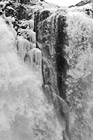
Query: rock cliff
[
  {"x": 55, "y": 103},
  {"x": 66, "y": 43}
]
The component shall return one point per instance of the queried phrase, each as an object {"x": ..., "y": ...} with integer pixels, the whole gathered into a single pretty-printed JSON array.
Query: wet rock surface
[
  {"x": 66, "y": 37},
  {"x": 60, "y": 54}
]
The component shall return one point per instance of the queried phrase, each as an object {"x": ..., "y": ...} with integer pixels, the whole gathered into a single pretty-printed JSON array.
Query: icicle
[
  {"x": 32, "y": 45},
  {"x": 31, "y": 24},
  {"x": 35, "y": 59},
  {"x": 23, "y": 46},
  {"x": 38, "y": 60},
  {"x": 32, "y": 35}
]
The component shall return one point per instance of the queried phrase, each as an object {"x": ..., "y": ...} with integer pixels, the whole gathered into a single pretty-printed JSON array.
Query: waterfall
[
  {"x": 34, "y": 57},
  {"x": 24, "y": 111},
  {"x": 17, "y": 84},
  {"x": 23, "y": 46},
  {"x": 31, "y": 55},
  {"x": 31, "y": 34},
  {"x": 31, "y": 24}
]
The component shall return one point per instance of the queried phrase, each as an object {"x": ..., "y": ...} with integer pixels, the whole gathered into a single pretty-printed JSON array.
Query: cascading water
[
  {"x": 23, "y": 45},
  {"x": 35, "y": 59},
  {"x": 24, "y": 112},
  {"x": 31, "y": 55}
]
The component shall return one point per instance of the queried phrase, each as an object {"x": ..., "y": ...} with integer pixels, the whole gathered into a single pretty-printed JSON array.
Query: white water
[
  {"x": 24, "y": 112},
  {"x": 34, "y": 59},
  {"x": 17, "y": 84}
]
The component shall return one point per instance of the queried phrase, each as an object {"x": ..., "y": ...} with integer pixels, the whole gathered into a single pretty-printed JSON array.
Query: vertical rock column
[{"x": 51, "y": 33}]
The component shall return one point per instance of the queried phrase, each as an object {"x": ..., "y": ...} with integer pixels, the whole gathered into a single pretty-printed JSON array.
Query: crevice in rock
[{"x": 61, "y": 63}]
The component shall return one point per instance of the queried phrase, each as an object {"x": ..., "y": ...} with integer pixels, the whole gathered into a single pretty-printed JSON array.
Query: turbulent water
[{"x": 24, "y": 112}]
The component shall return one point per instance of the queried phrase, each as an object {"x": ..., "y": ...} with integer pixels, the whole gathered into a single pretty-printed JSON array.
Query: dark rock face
[
  {"x": 18, "y": 10},
  {"x": 82, "y": 3},
  {"x": 10, "y": 12},
  {"x": 67, "y": 48},
  {"x": 46, "y": 35},
  {"x": 40, "y": 16},
  {"x": 61, "y": 63},
  {"x": 21, "y": 12},
  {"x": 84, "y": 6},
  {"x": 51, "y": 34}
]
